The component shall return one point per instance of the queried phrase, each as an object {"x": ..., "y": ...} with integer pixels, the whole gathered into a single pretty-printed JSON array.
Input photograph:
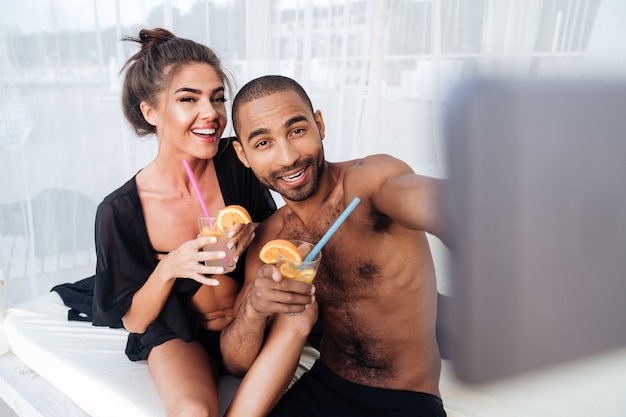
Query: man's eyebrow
[
  {"x": 196, "y": 91},
  {"x": 255, "y": 133},
  {"x": 294, "y": 120},
  {"x": 263, "y": 130}
]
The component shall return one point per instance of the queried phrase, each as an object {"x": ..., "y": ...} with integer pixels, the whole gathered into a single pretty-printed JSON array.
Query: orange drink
[
  {"x": 219, "y": 224},
  {"x": 287, "y": 255}
]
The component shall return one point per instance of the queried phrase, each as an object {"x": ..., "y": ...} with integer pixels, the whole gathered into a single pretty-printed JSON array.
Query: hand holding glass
[{"x": 208, "y": 227}]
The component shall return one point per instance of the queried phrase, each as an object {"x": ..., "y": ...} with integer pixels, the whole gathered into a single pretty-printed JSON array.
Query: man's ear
[
  {"x": 240, "y": 152},
  {"x": 148, "y": 113},
  {"x": 319, "y": 121}
]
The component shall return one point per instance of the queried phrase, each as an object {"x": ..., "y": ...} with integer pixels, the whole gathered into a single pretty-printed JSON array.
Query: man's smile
[{"x": 293, "y": 178}]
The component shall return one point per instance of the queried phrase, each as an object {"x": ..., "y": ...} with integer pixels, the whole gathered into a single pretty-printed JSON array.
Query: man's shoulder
[
  {"x": 380, "y": 158},
  {"x": 372, "y": 162},
  {"x": 373, "y": 169}
]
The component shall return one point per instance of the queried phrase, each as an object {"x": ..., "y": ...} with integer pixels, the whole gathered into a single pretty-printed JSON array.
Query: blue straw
[{"x": 332, "y": 229}]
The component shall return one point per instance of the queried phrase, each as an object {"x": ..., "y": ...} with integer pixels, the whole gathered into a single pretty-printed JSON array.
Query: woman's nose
[{"x": 208, "y": 110}]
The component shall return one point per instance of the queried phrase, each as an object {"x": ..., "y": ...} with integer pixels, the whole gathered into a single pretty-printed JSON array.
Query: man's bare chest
[{"x": 349, "y": 267}]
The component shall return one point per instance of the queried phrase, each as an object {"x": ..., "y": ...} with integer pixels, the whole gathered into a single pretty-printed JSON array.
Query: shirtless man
[{"x": 376, "y": 286}]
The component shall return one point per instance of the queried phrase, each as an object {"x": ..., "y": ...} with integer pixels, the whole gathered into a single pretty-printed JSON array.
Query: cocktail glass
[
  {"x": 208, "y": 227},
  {"x": 299, "y": 270}
]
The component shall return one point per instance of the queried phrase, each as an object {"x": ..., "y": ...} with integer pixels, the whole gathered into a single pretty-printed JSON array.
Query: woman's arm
[
  {"x": 264, "y": 294},
  {"x": 272, "y": 371},
  {"x": 187, "y": 261}
]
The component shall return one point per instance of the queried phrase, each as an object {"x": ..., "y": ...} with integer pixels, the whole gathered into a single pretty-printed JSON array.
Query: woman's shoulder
[
  {"x": 123, "y": 202},
  {"x": 126, "y": 191},
  {"x": 121, "y": 210}
]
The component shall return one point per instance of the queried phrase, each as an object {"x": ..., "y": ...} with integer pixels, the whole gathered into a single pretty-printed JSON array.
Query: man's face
[{"x": 281, "y": 141}]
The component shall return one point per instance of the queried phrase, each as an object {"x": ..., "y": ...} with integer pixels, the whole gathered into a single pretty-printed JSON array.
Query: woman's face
[{"x": 191, "y": 111}]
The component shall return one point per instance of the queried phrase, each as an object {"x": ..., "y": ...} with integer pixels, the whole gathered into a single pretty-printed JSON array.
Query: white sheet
[
  {"x": 590, "y": 387},
  {"x": 84, "y": 362},
  {"x": 88, "y": 364}
]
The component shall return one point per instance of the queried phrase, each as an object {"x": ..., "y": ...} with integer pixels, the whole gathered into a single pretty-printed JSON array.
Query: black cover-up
[{"x": 125, "y": 257}]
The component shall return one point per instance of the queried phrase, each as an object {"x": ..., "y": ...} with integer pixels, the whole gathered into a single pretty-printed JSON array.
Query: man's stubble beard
[{"x": 307, "y": 190}]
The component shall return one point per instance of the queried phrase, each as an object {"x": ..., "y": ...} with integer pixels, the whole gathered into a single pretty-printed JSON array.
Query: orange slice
[
  {"x": 270, "y": 251},
  {"x": 230, "y": 215},
  {"x": 304, "y": 275}
]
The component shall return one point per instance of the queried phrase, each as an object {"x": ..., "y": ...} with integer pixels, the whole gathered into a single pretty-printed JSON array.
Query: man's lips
[{"x": 295, "y": 177}]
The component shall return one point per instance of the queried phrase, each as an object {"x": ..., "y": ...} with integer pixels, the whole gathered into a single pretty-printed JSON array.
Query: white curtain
[{"x": 380, "y": 72}]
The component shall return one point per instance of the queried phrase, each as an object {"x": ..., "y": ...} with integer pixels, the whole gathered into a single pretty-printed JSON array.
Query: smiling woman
[{"x": 152, "y": 275}]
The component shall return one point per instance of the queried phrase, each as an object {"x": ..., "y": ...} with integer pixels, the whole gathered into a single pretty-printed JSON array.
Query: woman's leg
[
  {"x": 274, "y": 368},
  {"x": 185, "y": 377}
]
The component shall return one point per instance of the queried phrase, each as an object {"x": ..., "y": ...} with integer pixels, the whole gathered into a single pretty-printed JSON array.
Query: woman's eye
[
  {"x": 188, "y": 99},
  {"x": 219, "y": 100}
]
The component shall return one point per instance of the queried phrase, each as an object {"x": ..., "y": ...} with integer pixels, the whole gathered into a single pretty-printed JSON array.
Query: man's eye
[
  {"x": 260, "y": 144},
  {"x": 298, "y": 131}
]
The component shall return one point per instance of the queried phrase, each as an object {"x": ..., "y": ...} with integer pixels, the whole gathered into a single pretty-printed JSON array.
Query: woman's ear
[
  {"x": 148, "y": 113},
  {"x": 240, "y": 153}
]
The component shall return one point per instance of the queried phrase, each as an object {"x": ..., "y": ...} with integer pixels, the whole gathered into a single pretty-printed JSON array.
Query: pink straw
[
  {"x": 194, "y": 183},
  {"x": 192, "y": 178}
]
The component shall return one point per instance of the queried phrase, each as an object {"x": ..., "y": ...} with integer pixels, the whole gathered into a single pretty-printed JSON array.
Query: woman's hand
[
  {"x": 240, "y": 237},
  {"x": 187, "y": 261}
]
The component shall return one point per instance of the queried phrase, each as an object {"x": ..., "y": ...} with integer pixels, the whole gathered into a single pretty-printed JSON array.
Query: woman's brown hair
[{"x": 149, "y": 71}]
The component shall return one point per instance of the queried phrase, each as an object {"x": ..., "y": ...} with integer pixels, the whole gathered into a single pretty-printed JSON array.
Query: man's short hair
[{"x": 263, "y": 87}]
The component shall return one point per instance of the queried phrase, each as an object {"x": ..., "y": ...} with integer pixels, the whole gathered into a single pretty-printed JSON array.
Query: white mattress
[
  {"x": 88, "y": 364},
  {"x": 591, "y": 387},
  {"x": 85, "y": 362}
]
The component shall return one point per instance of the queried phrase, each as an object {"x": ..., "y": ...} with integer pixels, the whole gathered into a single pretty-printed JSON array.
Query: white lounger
[
  {"x": 85, "y": 362},
  {"x": 81, "y": 370}
]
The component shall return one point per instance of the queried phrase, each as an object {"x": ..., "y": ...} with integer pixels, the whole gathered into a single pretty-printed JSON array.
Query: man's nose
[{"x": 287, "y": 153}]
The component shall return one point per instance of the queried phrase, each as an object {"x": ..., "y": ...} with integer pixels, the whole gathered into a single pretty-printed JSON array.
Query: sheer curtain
[{"x": 380, "y": 72}]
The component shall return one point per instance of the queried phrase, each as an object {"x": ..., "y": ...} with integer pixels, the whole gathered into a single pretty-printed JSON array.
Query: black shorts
[{"x": 320, "y": 392}]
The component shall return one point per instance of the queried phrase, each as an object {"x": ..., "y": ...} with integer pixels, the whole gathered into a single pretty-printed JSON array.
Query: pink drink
[{"x": 208, "y": 228}]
